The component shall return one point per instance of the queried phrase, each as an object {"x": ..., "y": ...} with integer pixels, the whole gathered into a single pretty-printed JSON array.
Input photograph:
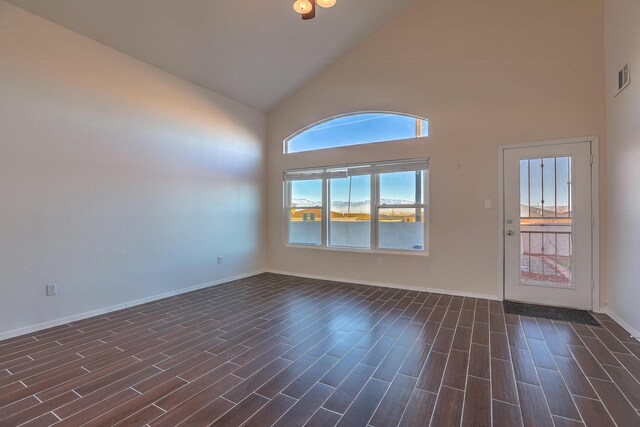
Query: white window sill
[{"x": 423, "y": 253}]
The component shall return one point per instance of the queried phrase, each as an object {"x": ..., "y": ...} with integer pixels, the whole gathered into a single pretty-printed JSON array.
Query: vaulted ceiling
[{"x": 257, "y": 52}]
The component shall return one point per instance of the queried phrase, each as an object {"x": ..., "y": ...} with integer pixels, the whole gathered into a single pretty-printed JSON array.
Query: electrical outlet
[
  {"x": 52, "y": 289},
  {"x": 380, "y": 261},
  {"x": 219, "y": 260}
]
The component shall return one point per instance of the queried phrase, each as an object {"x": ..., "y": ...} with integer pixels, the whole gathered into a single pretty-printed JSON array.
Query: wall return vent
[{"x": 623, "y": 79}]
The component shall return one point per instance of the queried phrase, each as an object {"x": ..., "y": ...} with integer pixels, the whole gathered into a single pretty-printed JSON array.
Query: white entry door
[{"x": 548, "y": 225}]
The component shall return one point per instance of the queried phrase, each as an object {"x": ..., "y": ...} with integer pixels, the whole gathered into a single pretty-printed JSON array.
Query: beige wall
[
  {"x": 118, "y": 181},
  {"x": 622, "y": 28},
  {"x": 484, "y": 73}
]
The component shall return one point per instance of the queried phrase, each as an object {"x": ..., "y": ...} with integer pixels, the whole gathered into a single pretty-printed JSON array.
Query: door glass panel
[
  {"x": 546, "y": 222},
  {"x": 535, "y": 188}
]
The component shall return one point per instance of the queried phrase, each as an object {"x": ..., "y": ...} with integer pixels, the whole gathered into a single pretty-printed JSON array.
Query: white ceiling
[{"x": 257, "y": 52}]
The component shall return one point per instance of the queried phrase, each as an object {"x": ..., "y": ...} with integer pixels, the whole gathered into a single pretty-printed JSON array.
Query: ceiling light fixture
[
  {"x": 307, "y": 8},
  {"x": 326, "y": 3}
]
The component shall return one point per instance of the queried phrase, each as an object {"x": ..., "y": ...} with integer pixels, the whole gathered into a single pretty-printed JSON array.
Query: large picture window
[{"x": 368, "y": 207}]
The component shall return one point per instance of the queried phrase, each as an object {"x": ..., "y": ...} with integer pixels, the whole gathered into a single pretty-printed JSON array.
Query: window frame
[
  {"x": 421, "y": 132},
  {"x": 328, "y": 230},
  {"x": 288, "y": 208},
  {"x": 423, "y": 206},
  {"x": 375, "y": 207}
]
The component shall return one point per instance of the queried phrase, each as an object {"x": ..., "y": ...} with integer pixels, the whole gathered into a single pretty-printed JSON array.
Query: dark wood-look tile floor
[{"x": 286, "y": 351}]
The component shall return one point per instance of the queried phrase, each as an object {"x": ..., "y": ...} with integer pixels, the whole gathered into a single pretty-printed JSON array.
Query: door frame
[{"x": 595, "y": 212}]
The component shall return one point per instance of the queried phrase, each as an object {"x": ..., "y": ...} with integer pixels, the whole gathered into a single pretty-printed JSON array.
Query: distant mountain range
[
  {"x": 305, "y": 202},
  {"x": 536, "y": 211},
  {"x": 353, "y": 207}
]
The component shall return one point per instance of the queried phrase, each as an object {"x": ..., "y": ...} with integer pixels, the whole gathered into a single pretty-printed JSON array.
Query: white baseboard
[
  {"x": 100, "y": 311},
  {"x": 388, "y": 285},
  {"x": 632, "y": 331},
  {"x": 50, "y": 324}
]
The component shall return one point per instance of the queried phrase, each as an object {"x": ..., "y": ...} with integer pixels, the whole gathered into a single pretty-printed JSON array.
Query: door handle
[{"x": 509, "y": 232}]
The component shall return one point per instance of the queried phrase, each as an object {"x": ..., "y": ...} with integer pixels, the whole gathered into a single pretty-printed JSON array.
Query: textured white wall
[
  {"x": 484, "y": 73},
  {"x": 118, "y": 181},
  {"x": 622, "y": 28}
]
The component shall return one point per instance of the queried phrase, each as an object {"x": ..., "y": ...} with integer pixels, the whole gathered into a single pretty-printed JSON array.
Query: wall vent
[{"x": 623, "y": 79}]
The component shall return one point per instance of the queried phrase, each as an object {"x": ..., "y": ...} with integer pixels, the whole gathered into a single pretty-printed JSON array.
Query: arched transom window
[{"x": 356, "y": 129}]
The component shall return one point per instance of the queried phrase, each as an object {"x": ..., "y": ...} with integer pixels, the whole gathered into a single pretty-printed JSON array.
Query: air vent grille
[{"x": 623, "y": 78}]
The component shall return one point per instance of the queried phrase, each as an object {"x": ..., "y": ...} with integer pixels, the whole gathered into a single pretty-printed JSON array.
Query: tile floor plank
[
  {"x": 506, "y": 415},
  {"x": 239, "y": 413},
  {"x": 393, "y": 405},
  {"x": 534, "y": 406},
  {"x": 479, "y": 361},
  {"x": 565, "y": 422},
  {"x": 588, "y": 363},
  {"x": 448, "y": 409},
  {"x": 323, "y": 418},
  {"x": 503, "y": 383},
  {"x": 558, "y": 397},
  {"x": 419, "y": 409},
  {"x": 364, "y": 406},
  {"x": 477, "y": 404},
  {"x": 627, "y": 384},
  {"x": 622, "y": 412},
  {"x": 304, "y": 408},
  {"x": 575, "y": 380},
  {"x": 593, "y": 412},
  {"x": 455, "y": 374},
  {"x": 271, "y": 412},
  {"x": 523, "y": 366},
  {"x": 342, "y": 397},
  {"x": 432, "y": 373}
]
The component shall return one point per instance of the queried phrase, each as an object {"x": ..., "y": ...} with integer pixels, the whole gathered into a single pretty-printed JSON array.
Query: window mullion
[
  {"x": 325, "y": 212},
  {"x": 287, "y": 204},
  {"x": 425, "y": 211},
  {"x": 375, "y": 201}
]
